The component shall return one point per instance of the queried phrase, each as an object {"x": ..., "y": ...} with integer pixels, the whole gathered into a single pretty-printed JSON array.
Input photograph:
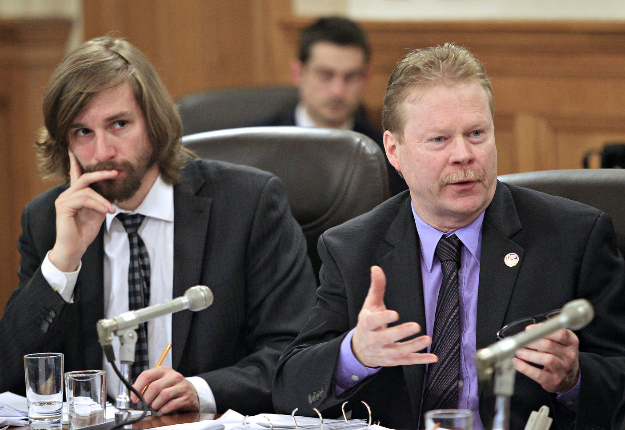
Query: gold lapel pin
[{"x": 511, "y": 259}]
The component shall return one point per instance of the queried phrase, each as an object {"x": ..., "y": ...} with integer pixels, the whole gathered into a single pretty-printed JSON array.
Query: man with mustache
[
  {"x": 411, "y": 290},
  {"x": 331, "y": 72},
  {"x": 137, "y": 206}
]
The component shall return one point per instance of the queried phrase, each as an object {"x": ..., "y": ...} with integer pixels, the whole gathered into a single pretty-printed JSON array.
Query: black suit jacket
[
  {"x": 361, "y": 125},
  {"x": 567, "y": 250},
  {"x": 233, "y": 232}
]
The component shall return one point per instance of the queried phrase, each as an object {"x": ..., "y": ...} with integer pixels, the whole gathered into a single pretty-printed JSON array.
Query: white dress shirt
[
  {"x": 157, "y": 232},
  {"x": 302, "y": 119}
]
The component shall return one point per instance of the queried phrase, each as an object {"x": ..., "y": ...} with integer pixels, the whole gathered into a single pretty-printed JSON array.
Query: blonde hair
[
  {"x": 437, "y": 65},
  {"x": 97, "y": 65}
]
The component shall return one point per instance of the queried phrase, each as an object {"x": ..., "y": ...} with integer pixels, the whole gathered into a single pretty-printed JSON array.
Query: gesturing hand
[
  {"x": 80, "y": 212},
  {"x": 375, "y": 344},
  {"x": 558, "y": 355}
]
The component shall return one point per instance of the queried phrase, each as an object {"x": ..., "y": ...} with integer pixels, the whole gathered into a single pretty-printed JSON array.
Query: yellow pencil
[{"x": 158, "y": 363}]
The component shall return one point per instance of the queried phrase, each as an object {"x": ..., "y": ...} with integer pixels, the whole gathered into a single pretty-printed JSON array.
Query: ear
[
  {"x": 391, "y": 144},
  {"x": 296, "y": 72}
]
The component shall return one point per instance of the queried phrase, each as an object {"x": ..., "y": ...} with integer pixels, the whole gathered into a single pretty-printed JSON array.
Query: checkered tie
[
  {"x": 138, "y": 286},
  {"x": 441, "y": 389}
]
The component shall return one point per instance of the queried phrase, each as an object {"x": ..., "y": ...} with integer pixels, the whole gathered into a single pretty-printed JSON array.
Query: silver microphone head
[
  {"x": 577, "y": 313},
  {"x": 199, "y": 297}
]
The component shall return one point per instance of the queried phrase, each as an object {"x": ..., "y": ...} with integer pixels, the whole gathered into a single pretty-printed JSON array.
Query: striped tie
[{"x": 442, "y": 384}]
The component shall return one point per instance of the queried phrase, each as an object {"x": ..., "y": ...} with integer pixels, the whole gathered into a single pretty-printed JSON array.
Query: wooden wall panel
[
  {"x": 559, "y": 86},
  {"x": 195, "y": 45},
  {"x": 29, "y": 51}
]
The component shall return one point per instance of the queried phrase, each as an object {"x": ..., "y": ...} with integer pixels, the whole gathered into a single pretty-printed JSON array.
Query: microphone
[
  {"x": 574, "y": 315},
  {"x": 195, "y": 299}
]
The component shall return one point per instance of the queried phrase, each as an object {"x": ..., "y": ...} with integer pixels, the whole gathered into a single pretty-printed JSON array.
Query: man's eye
[
  {"x": 438, "y": 139},
  {"x": 476, "y": 133},
  {"x": 82, "y": 131},
  {"x": 120, "y": 123}
]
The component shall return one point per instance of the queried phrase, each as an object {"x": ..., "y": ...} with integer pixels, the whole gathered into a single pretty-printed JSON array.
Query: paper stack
[{"x": 13, "y": 410}]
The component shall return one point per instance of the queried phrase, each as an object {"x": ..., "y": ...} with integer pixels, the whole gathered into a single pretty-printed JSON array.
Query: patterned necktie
[
  {"x": 442, "y": 384},
  {"x": 138, "y": 286}
]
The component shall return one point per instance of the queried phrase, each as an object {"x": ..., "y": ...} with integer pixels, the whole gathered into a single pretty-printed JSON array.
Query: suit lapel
[
  {"x": 404, "y": 288},
  {"x": 191, "y": 216},
  {"x": 497, "y": 278},
  {"x": 89, "y": 293}
]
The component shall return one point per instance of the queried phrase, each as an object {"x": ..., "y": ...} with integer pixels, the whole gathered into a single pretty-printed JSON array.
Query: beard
[{"x": 120, "y": 190}]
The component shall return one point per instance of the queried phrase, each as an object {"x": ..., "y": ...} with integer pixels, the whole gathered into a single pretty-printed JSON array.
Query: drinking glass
[
  {"x": 86, "y": 397},
  {"x": 449, "y": 419},
  {"x": 44, "y": 390}
]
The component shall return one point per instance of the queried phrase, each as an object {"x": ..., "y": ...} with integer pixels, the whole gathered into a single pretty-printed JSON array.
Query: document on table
[
  {"x": 13, "y": 410},
  {"x": 232, "y": 420}
]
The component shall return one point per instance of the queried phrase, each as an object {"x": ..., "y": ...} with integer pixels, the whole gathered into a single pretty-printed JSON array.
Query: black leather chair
[
  {"x": 330, "y": 175},
  {"x": 236, "y": 107},
  {"x": 601, "y": 188}
]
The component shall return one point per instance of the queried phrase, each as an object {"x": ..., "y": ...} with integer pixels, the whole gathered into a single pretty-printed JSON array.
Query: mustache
[
  {"x": 464, "y": 175},
  {"x": 107, "y": 165}
]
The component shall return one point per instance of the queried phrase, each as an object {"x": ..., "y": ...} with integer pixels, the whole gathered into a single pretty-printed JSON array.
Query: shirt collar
[
  {"x": 159, "y": 203},
  {"x": 470, "y": 236},
  {"x": 302, "y": 119}
]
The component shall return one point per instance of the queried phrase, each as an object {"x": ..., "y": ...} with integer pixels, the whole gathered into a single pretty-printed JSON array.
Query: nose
[
  {"x": 104, "y": 147},
  {"x": 461, "y": 151},
  {"x": 338, "y": 86}
]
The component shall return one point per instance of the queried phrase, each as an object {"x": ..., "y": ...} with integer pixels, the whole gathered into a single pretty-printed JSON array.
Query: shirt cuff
[
  {"x": 349, "y": 371},
  {"x": 570, "y": 399},
  {"x": 205, "y": 394},
  {"x": 61, "y": 282}
]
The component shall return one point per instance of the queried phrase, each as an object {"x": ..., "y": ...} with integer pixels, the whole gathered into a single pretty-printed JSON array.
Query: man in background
[
  {"x": 137, "y": 223},
  {"x": 411, "y": 290},
  {"x": 331, "y": 72}
]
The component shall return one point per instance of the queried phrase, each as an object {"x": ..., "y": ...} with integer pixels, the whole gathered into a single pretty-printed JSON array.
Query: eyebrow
[{"x": 114, "y": 117}]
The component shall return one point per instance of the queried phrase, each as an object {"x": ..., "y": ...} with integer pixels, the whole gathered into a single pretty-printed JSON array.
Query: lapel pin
[{"x": 511, "y": 259}]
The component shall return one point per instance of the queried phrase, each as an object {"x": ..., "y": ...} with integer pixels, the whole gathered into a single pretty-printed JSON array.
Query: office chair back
[
  {"x": 330, "y": 175},
  {"x": 601, "y": 188},
  {"x": 233, "y": 108}
]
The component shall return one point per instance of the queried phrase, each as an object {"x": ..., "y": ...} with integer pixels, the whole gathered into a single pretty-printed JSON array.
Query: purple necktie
[{"x": 442, "y": 384}]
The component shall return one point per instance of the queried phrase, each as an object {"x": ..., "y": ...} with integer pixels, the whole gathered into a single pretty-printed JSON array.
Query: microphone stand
[
  {"x": 128, "y": 340},
  {"x": 503, "y": 390}
]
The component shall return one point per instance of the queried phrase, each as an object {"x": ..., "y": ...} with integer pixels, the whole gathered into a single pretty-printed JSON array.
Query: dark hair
[
  {"x": 336, "y": 30},
  {"x": 97, "y": 65},
  {"x": 438, "y": 65}
]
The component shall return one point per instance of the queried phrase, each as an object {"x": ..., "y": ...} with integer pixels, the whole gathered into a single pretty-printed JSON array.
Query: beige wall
[{"x": 426, "y": 10}]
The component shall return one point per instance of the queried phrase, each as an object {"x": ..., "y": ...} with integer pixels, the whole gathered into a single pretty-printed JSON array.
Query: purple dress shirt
[{"x": 349, "y": 371}]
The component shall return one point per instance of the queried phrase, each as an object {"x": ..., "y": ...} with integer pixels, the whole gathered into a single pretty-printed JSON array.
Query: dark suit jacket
[
  {"x": 567, "y": 250},
  {"x": 362, "y": 125},
  {"x": 233, "y": 232}
]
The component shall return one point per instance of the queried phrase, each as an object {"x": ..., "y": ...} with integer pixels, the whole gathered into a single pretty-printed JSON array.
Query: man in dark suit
[
  {"x": 113, "y": 134},
  {"x": 331, "y": 73},
  {"x": 379, "y": 314}
]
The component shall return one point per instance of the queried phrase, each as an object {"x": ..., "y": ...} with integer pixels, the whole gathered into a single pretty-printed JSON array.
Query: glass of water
[
  {"x": 44, "y": 390},
  {"x": 86, "y": 397},
  {"x": 449, "y": 419}
]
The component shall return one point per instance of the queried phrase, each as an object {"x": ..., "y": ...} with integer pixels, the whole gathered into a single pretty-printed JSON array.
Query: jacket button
[{"x": 45, "y": 325}]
